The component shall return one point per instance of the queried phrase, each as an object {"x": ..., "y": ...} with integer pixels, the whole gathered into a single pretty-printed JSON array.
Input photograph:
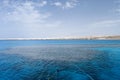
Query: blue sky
[{"x": 59, "y": 18}]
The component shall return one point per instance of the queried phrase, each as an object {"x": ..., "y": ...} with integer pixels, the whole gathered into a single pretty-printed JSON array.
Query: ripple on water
[{"x": 59, "y": 63}]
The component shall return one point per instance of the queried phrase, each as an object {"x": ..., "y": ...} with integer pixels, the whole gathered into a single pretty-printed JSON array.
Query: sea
[{"x": 59, "y": 59}]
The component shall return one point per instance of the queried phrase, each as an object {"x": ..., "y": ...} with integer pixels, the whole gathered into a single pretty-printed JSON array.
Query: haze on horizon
[{"x": 59, "y": 18}]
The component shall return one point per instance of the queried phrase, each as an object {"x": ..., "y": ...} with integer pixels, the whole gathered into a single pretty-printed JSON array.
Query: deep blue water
[{"x": 60, "y": 60}]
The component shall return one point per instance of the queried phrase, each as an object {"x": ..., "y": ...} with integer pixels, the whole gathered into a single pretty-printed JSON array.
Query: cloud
[
  {"x": 43, "y": 3},
  {"x": 106, "y": 23},
  {"x": 66, "y": 5},
  {"x": 101, "y": 28},
  {"x": 103, "y": 24},
  {"x": 25, "y": 17},
  {"x": 118, "y": 10},
  {"x": 26, "y": 13},
  {"x": 59, "y": 4},
  {"x": 118, "y": 6}
]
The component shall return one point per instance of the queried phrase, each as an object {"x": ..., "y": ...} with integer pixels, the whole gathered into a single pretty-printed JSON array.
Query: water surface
[{"x": 60, "y": 60}]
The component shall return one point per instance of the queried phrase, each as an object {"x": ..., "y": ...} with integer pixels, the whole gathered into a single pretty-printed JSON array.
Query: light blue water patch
[{"x": 13, "y": 43}]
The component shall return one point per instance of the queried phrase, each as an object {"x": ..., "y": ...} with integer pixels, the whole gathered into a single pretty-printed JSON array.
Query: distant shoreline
[{"x": 69, "y": 38}]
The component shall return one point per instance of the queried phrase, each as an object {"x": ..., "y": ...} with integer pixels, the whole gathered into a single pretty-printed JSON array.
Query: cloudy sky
[{"x": 58, "y": 18}]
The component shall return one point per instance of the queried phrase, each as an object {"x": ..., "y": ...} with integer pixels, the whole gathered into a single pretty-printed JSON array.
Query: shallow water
[{"x": 72, "y": 60}]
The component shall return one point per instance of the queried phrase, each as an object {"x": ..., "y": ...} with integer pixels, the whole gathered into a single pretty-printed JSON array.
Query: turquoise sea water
[{"x": 60, "y": 60}]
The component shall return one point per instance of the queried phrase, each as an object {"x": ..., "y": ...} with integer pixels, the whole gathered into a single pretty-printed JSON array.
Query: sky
[{"x": 59, "y": 18}]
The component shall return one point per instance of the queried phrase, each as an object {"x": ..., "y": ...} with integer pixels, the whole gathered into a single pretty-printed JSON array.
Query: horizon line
[{"x": 65, "y": 38}]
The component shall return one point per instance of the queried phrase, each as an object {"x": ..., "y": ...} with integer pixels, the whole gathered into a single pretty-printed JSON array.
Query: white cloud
[
  {"x": 101, "y": 28},
  {"x": 118, "y": 10},
  {"x": 66, "y": 5},
  {"x": 106, "y": 23},
  {"x": 26, "y": 13},
  {"x": 118, "y": 6},
  {"x": 59, "y": 4},
  {"x": 71, "y": 4},
  {"x": 43, "y": 3},
  {"x": 27, "y": 19}
]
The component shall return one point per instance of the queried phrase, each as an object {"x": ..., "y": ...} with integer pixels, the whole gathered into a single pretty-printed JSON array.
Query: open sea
[{"x": 59, "y": 59}]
